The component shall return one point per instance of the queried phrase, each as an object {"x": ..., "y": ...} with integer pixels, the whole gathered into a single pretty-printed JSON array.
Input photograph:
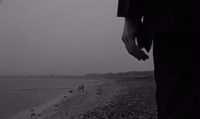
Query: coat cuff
[{"x": 130, "y": 8}]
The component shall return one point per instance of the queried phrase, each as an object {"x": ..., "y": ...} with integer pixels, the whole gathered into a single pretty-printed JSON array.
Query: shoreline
[
  {"x": 121, "y": 98},
  {"x": 50, "y": 105}
]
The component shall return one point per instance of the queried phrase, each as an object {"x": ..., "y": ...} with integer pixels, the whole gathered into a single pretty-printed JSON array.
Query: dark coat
[{"x": 160, "y": 15}]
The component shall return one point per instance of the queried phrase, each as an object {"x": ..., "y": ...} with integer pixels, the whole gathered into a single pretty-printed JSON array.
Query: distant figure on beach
[
  {"x": 79, "y": 88},
  {"x": 82, "y": 87},
  {"x": 173, "y": 27}
]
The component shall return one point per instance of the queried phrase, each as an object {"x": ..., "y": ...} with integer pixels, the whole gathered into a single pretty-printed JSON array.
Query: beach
[
  {"x": 123, "y": 98},
  {"x": 17, "y": 95}
]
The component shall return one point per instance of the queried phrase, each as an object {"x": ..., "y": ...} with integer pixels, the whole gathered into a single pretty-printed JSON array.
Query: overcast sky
[{"x": 71, "y": 37}]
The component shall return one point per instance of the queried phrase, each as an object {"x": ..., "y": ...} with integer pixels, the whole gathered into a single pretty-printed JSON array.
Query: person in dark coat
[{"x": 173, "y": 27}]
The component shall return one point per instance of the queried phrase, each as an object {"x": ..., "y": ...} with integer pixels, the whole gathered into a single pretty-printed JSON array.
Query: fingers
[
  {"x": 133, "y": 48},
  {"x": 139, "y": 54}
]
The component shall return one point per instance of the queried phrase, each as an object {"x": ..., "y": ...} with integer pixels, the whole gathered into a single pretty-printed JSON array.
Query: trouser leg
[{"x": 176, "y": 68}]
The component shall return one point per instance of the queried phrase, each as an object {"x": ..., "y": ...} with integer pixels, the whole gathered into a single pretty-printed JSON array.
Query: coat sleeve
[{"x": 130, "y": 8}]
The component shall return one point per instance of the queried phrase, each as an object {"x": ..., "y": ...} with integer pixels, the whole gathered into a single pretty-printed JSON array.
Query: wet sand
[{"x": 112, "y": 99}]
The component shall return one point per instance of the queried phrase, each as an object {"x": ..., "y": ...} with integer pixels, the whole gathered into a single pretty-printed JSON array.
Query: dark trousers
[{"x": 177, "y": 71}]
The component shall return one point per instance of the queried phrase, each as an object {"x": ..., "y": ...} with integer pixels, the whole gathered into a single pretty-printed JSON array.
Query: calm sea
[{"x": 17, "y": 95}]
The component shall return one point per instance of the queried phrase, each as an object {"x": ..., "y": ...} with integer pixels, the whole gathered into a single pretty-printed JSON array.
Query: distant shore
[
  {"x": 89, "y": 75},
  {"x": 122, "y": 98}
]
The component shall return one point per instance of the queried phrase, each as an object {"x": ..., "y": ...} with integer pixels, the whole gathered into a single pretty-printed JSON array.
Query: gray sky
[{"x": 63, "y": 37}]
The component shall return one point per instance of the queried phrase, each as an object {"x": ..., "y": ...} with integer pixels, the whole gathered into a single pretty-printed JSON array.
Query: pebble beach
[{"x": 125, "y": 98}]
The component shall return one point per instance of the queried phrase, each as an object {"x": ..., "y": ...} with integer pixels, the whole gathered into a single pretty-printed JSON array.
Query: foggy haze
[{"x": 70, "y": 37}]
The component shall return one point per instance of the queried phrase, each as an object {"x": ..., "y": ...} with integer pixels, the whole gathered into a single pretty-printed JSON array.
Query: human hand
[{"x": 129, "y": 39}]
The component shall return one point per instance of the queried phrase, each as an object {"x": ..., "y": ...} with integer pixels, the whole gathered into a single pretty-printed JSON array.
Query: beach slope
[{"x": 124, "y": 98}]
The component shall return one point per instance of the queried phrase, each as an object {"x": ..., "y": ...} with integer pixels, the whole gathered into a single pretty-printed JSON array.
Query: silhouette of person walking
[
  {"x": 82, "y": 87},
  {"x": 173, "y": 27},
  {"x": 79, "y": 88}
]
